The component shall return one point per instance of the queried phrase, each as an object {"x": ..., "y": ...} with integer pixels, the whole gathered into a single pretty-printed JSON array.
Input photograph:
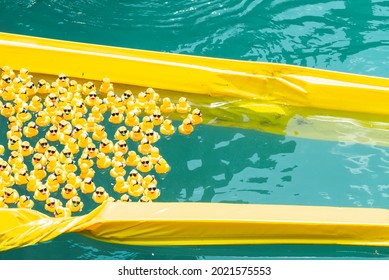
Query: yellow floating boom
[{"x": 259, "y": 87}]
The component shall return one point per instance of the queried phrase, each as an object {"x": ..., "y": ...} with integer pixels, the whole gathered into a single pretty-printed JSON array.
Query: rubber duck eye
[
  {"x": 91, "y": 149},
  {"x": 63, "y": 78},
  {"x": 43, "y": 190},
  {"x": 150, "y": 134},
  {"x": 51, "y": 203},
  {"x": 31, "y": 86},
  {"x": 151, "y": 189},
  {"x": 99, "y": 192},
  {"x": 7, "y": 80},
  {"x": 123, "y": 145},
  {"x": 132, "y": 175},
  {"x": 115, "y": 114}
]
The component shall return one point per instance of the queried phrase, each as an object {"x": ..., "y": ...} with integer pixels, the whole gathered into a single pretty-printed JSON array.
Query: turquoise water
[{"x": 217, "y": 164}]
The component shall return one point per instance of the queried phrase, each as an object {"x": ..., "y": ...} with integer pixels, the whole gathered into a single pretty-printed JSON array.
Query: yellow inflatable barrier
[
  {"x": 202, "y": 224},
  {"x": 259, "y": 90}
]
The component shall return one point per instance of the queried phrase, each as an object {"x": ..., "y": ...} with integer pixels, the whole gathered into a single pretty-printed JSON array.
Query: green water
[{"x": 217, "y": 164}]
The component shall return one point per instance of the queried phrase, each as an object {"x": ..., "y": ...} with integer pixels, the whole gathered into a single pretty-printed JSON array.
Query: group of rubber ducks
[{"x": 71, "y": 115}]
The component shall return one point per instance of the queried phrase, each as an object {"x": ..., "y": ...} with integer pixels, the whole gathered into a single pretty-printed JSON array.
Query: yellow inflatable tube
[{"x": 203, "y": 224}]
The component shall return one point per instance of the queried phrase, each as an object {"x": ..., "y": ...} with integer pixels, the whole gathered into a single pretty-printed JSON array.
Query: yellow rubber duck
[
  {"x": 131, "y": 107},
  {"x": 51, "y": 183},
  {"x": 25, "y": 202},
  {"x": 2, "y": 149},
  {"x": 38, "y": 158},
  {"x": 74, "y": 87},
  {"x": 39, "y": 172},
  {"x": 100, "y": 195},
  {"x": 106, "y": 86},
  {"x": 33, "y": 183},
  {"x": 51, "y": 99},
  {"x": 145, "y": 199},
  {"x": 106, "y": 146},
  {"x": 68, "y": 191},
  {"x": 144, "y": 147},
  {"x": 152, "y": 136},
  {"x": 22, "y": 98},
  {"x": 162, "y": 166},
  {"x": 122, "y": 133},
  {"x": 70, "y": 166},
  {"x": 118, "y": 170},
  {"x": 152, "y": 192},
  {"x": 24, "y": 75},
  {"x": 64, "y": 127},
  {"x": 74, "y": 180},
  {"x": 35, "y": 104},
  {"x": 88, "y": 186},
  {"x": 62, "y": 80},
  {"x": 99, "y": 133},
  {"x": 79, "y": 120},
  {"x": 8, "y": 94},
  {"x": 147, "y": 180},
  {"x": 18, "y": 164},
  {"x": 13, "y": 121},
  {"x": 14, "y": 131},
  {"x": 147, "y": 123},
  {"x": 65, "y": 137},
  {"x": 11, "y": 161},
  {"x": 121, "y": 186},
  {"x": 25, "y": 149},
  {"x": 78, "y": 130},
  {"x": 133, "y": 159},
  {"x": 30, "y": 88},
  {"x": 52, "y": 164},
  {"x": 183, "y": 107},
  {"x": 141, "y": 101},
  {"x": 21, "y": 177},
  {"x": 6, "y": 81},
  {"x": 134, "y": 175},
  {"x": 17, "y": 84},
  {"x": 51, "y": 109},
  {"x": 167, "y": 127},
  {"x": 65, "y": 154},
  {"x": 91, "y": 99},
  {"x": 7, "y": 179},
  {"x": 96, "y": 114},
  {"x": 84, "y": 140},
  {"x": 11, "y": 196},
  {"x": 136, "y": 134},
  {"x": 31, "y": 130},
  {"x": 6, "y": 70},
  {"x": 2, "y": 202},
  {"x": 62, "y": 212},
  {"x": 135, "y": 189},
  {"x": 51, "y": 151},
  {"x": 14, "y": 143},
  {"x": 41, "y": 193},
  {"x": 85, "y": 159},
  {"x": 86, "y": 172},
  {"x": 121, "y": 146},
  {"x": 75, "y": 204},
  {"x": 41, "y": 146},
  {"x": 151, "y": 107},
  {"x": 167, "y": 106},
  {"x": 91, "y": 150},
  {"x": 154, "y": 155},
  {"x": 60, "y": 174},
  {"x": 68, "y": 112},
  {"x": 125, "y": 198},
  {"x": 157, "y": 118},
  {"x": 88, "y": 87},
  {"x": 43, "y": 87},
  {"x": 23, "y": 115},
  {"x": 7, "y": 110},
  {"x": 51, "y": 203},
  {"x": 196, "y": 117},
  {"x": 110, "y": 99},
  {"x": 102, "y": 106},
  {"x": 118, "y": 157},
  {"x": 131, "y": 119},
  {"x": 116, "y": 117},
  {"x": 42, "y": 119},
  {"x": 152, "y": 95},
  {"x": 186, "y": 127},
  {"x": 90, "y": 125},
  {"x": 77, "y": 97},
  {"x": 128, "y": 95},
  {"x": 80, "y": 108},
  {"x": 52, "y": 134},
  {"x": 144, "y": 165},
  {"x": 103, "y": 161}
]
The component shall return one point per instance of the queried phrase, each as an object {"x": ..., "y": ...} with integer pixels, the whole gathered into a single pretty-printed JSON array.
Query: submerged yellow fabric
[{"x": 202, "y": 224}]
